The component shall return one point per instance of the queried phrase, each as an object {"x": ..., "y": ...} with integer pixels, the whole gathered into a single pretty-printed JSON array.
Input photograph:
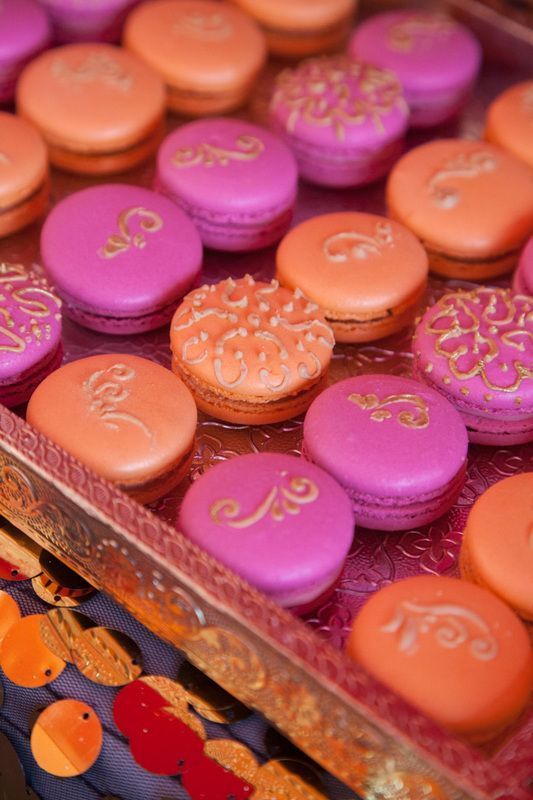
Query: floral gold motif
[
  {"x": 97, "y": 66},
  {"x": 247, "y": 148},
  {"x": 353, "y": 246},
  {"x": 280, "y": 501},
  {"x": 419, "y": 31},
  {"x": 339, "y": 93},
  {"x": 450, "y": 625},
  {"x": 416, "y": 418},
  {"x": 206, "y": 27},
  {"x": 35, "y": 301},
  {"x": 105, "y": 389},
  {"x": 121, "y": 242},
  {"x": 464, "y": 165}
]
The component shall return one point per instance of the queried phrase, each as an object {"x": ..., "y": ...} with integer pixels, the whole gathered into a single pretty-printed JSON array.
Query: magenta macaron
[
  {"x": 436, "y": 59},
  {"x": 30, "y": 333},
  {"x": 236, "y": 181},
  {"x": 87, "y": 20},
  {"x": 344, "y": 120},
  {"x": 397, "y": 447},
  {"x": 121, "y": 257},
  {"x": 280, "y": 522},
  {"x": 476, "y": 348},
  {"x": 523, "y": 277},
  {"x": 24, "y": 32}
]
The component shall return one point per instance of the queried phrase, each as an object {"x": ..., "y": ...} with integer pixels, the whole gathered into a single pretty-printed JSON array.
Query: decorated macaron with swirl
[
  {"x": 251, "y": 352},
  {"x": 476, "y": 349}
]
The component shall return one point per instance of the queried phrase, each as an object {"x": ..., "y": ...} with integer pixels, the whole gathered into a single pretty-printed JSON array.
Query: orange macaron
[
  {"x": 470, "y": 203},
  {"x": 510, "y": 121},
  {"x": 497, "y": 546},
  {"x": 367, "y": 273},
  {"x": 300, "y": 28},
  {"x": 104, "y": 109},
  {"x": 452, "y": 649},
  {"x": 208, "y": 53},
  {"x": 130, "y": 420},
  {"x": 24, "y": 178}
]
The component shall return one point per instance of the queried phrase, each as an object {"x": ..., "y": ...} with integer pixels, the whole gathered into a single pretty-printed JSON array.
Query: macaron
[
  {"x": 24, "y": 174},
  {"x": 497, "y": 546},
  {"x": 279, "y": 522},
  {"x": 30, "y": 333},
  {"x": 104, "y": 108},
  {"x": 236, "y": 181},
  {"x": 250, "y": 352},
  {"x": 523, "y": 277},
  {"x": 470, "y": 203},
  {"x": 367, "y": 273},
  {"x": 436, "y": 59},
  {"x": 121, "y": 257},
  {"x": 208, "y": 53},
  {"x": 510, "y": 119},
  {"x": 24, "y": 32},
  {"x": 128, "y": 419},
  {"x": 344, "y": 120},
  {"x": 398, "y": 449},
  {"x": 299, "y": 28},
  {"x": 476, "y": 349},
  {"x": 450, "y": 648},
  {"x": 87, "y": 21}
]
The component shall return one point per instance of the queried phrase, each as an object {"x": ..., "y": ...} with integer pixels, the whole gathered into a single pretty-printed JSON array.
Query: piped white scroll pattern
[
  {"x": 28, "y": 310},
  {"x": 214, "y": 27},
  {"x": 419, "y": 32},
  {"x": 353, "y": 247},
  {"x": 286, "y": 498},
  {"x": 148, "y": 221},
  {"x": 247, "y": 148},
  {"x": 252, "y": 333},
  {"x": 97, "y": 67},
  {"x": 106, "y": 390},
  {"x": 442, "y": 186},
  {"x": 339, "y": 93},
  {"x": 450, "y": 625}
]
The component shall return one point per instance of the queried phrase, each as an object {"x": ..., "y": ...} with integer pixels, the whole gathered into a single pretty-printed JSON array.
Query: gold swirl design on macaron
[
  {"x": 105, "y": 390},
  {"x": 33, "y": 300},
  {"x": 247, "y": 148},
  {"x": 416, "y": 418},
  {"x": 354, "y": 246},
  {"x": 117, "y": 243},
  {"x": 419, "y": 30},
  {"x": 95, "y": 67},
  {"x": 464, "y": 165},
  {"x": 206, "y": 27}
]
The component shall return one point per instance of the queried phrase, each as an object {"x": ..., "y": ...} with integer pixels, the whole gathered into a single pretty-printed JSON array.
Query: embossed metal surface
[{"x": 292, "y": 673}]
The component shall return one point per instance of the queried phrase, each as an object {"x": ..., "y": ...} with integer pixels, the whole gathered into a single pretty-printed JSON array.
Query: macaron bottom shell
[
  {"x": 197, "y": 103},
  {"x": 25, "y": 212},
  {"x": 160, "y": 485},
  {"x": 430, "y": 110},
  {"x": 96, "y": 320},
  {"x": 448, "y": 265},
  {"x": 295, "y": 44}
]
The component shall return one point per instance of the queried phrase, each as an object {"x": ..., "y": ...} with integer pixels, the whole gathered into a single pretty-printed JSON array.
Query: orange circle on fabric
[
  {"x": 24, "y": 657},
  {"x": 9, "y": 613},
  {"x": 67, "y": 738}
]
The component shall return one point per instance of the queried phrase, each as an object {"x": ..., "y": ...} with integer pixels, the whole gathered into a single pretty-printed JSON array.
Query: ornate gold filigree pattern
[
  {"x": 416, "y": 418},
  {"x": 352, "y": 246},
  {"x": 339, "y": 93},
  {"x": 213, "y": 27},
  {"x": 247, "y": 148},
  {"x": 464, "y": 165},
  {"x": 34, "y": 301},
  {"x": 419, "y": 31},
  {"x": 280, "y": 501},
  {"x": 96, "y": 67},
  {"x": 150, "y": 222},
  {"x": 105, "y": 389}
]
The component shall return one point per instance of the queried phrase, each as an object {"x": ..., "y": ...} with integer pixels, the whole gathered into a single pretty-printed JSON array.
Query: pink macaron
[
  {"x": 523, "y": 277},
  {"x": 30, "y": 333},
  {"x": 436, "y": 59},
  {"x": 344, "y": 120},
  {"x": 120, "y": 257},
  {"x": 280, "y": 522},
  {"x": 24, "y": 32},
  {"x": 476, "y": 349},
  {"x": 87, "y": 20},
  {"x": 398, "y": 449},
  {"x": 236, "y": 181}
]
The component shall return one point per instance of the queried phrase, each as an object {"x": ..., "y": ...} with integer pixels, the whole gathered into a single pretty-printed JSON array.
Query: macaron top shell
[
  {"x": 277, "y": 520},
  {"x": 125, "y": 417},
  {"x": 24, "y": 30},
  {"x": 353, "y": 262},
  {"x": 386, "y": 436},
  {"x": 228, "y": 165},
  {"x": 427, "y": 50},
  {"x": 510, "y": 121},
  {"x": 525, "y": 268},
  {"x": 251, "y": 339},
  {"x": 463, "y": 198},
  {"x": 417, "y": 633},
  {"x": 23, "y": 160},
  {"x": 121, "y": 250},
  {"x": 335, "y": 101},
  {"x": 498, "y": 540},
  {"x": 197, "y": 43},
  {"x": 98, "y": 97},
  {"x": 298, "y": 15},
  {"x": 30, "y": 320},
  {"x": 478, "y": 346}
]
